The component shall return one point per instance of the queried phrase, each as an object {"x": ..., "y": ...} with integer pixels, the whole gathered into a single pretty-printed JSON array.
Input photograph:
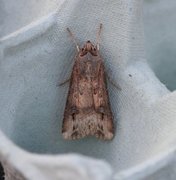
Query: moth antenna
[
  {"x": 98, "y": 36},
  {"x": 73, "y": 39}
]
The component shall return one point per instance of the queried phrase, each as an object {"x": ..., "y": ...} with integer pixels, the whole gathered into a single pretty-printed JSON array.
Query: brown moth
[{"x": 87, "y": 110}]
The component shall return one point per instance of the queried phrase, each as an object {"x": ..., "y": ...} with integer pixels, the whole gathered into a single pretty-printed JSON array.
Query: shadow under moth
[{"x": 87, "y": 111}]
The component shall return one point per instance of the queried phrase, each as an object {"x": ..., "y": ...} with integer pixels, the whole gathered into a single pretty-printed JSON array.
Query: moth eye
[
  {"x": 82, "y": 49},
  {"x": 94, "y": 49}
]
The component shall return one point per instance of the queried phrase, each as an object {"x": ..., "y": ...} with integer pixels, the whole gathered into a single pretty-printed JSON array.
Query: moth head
[{"x": 88, "y": 47}]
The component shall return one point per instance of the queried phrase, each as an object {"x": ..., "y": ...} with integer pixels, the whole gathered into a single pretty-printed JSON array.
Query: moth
[{"x": 88, "y": 111}]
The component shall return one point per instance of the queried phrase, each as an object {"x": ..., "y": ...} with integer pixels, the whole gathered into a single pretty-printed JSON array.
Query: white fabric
[
  {"x": 160, "y": 43},
  {"x": 39, "y": 55}
]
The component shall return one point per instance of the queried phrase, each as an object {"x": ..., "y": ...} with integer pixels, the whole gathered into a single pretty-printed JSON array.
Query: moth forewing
[{"x": 87, "y": 110}]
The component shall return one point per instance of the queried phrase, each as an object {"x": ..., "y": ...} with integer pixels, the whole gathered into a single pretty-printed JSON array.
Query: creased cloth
[{"x": 37, "y": 53}]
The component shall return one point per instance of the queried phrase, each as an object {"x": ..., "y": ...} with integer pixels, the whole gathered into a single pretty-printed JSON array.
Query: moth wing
[
  {"x": 71, "y": 105},
  {"x": 102, "y": 105},
  {"x": 99, "y": 120}
]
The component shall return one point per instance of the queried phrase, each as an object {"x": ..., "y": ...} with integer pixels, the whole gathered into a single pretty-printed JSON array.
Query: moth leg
[
  {"x": 62, "y": 83},
  {"x": 113, "y": 83}
]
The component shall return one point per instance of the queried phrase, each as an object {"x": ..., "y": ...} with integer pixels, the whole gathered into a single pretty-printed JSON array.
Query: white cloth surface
[
  {"x": 160, "y": 43},
  {"x": 37, "y": 56}
]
